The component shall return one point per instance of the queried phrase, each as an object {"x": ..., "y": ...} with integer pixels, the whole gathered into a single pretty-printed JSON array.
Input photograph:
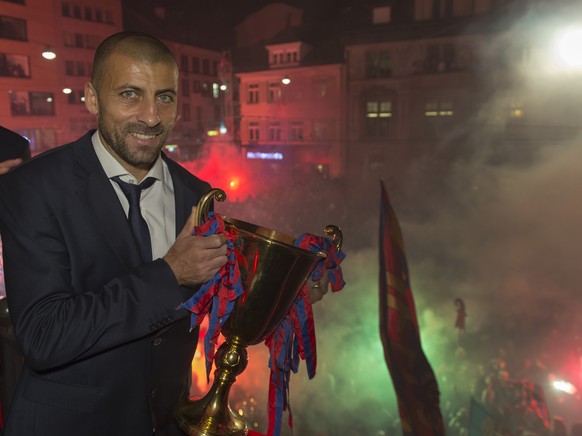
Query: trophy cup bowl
[{"x": 273, "y": 271}]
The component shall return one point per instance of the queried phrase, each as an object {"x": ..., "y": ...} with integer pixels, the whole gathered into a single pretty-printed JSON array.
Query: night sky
[{"x": 211, "y": 23}]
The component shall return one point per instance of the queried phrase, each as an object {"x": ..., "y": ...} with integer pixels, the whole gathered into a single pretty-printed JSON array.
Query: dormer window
[{"x": 287, "y": 54}]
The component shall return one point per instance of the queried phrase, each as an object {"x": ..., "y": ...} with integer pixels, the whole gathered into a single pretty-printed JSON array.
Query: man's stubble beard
[{"x": 143, "y": 157}]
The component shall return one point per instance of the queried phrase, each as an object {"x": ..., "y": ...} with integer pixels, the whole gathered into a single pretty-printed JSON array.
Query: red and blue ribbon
[
  {"x": 294, "y": 337},
  {"x": 218, "y": 295}
]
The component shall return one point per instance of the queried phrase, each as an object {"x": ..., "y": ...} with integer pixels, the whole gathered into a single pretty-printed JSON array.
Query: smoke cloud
[{"x": 495, "y": 223}]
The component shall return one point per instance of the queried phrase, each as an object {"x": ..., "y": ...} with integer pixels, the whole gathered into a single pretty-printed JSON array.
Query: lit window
[
  {"x": 377, "y": 118},
  {"x": 438, "y": 109}
]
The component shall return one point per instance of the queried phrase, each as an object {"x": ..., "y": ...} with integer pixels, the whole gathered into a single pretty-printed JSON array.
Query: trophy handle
[
  {"x": 204, "y": 203},
  {"x": 336, "y": 235}
]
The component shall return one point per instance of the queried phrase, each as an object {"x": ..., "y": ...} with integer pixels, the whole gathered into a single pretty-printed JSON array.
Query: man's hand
[
  {"x": 7, "y": 165},
  {"x": 318, "y": 288},
  {"x": 196, "y": 259}
]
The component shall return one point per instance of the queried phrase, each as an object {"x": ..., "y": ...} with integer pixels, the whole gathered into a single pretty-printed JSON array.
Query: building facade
[
  {"x": 43, "y": 99},
  {"x": 293, "y": 115}
]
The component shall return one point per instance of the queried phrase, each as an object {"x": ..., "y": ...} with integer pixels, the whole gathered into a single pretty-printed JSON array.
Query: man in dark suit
[{"x": 106, "y": 351}]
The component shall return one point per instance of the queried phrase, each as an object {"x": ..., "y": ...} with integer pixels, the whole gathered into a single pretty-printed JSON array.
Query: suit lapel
[
  {"x": 184, "y": 195},
  {"x": 97, "y": 194}
]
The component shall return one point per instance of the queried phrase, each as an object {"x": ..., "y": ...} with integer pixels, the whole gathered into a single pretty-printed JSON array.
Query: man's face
[{"x": 135, "y": 103}]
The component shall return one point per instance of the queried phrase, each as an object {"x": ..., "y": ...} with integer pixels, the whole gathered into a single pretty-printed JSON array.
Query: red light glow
[{"x": 234, "y": 184}]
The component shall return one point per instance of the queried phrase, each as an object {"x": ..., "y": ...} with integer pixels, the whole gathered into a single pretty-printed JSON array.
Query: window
[
  {"x": 206, "y": 67},
  {"x": 69, "y": 68},
  {"x": 185, "y": 88},
  {"x": 378, "y": 64},
  {"x": 81, "y": 40},
  {"x": 13, "y": 65},
  {"x": 13, "y": 28},
  {"x": 40, "y": 139},
  {"x": 184, "y": 63},
  {"x": 78, "y": 68},
  {"x": 196, "y": 86},
  {"x": 199, "y": 125},
  {"x": 381, "y": 14},
  {"x": 205, "y": 90},
  {"x": 31, "y": 103},
  {"x": 442, "y": 9},
  {"x": 65, "y": 9},
  {"x": 76, "y": 97},
  {"x": 321, "y": 88},
  {"x": 253, "y": 131},
  {"x": 186, "y": 115},
  {"x": 195, "y": 65},
  {"x": 378, "y": 115},
  {"x": 438, "y": 109},
  {"x": 76, "y": 11},
  {"x": 296, "y": 131},
  {"x": 215, "y": 90},
  {"x": 321, "y": 130},
  {"x": 88, "y": 13},
  {"x": 275, "y": 131},
  {"x": 253, "y": 93},
  {"x": 285, "y": 57},
  {"x": 439, "y": 116},
  {"x": 274, "y": 92},
  {"x": 440, "y": 58},
  {"x": 215, "y": 68}
]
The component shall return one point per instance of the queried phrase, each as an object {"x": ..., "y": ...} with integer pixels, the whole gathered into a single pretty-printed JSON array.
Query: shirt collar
[{"x": 113, "y": 168}]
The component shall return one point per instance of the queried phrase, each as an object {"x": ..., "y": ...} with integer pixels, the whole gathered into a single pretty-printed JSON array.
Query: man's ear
[{"x": 91, "y": 101}]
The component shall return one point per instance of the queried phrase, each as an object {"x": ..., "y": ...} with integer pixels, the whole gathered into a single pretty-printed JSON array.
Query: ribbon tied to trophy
[{"x": 217, "y": 296}]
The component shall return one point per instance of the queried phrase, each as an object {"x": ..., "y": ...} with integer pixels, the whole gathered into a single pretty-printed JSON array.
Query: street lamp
[
  {"x": 48, "y": 53},
  {"x": 285, "y": 80}
]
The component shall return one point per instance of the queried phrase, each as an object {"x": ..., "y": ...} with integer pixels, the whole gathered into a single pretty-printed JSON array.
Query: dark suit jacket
[{"x": 106, "y": 351}]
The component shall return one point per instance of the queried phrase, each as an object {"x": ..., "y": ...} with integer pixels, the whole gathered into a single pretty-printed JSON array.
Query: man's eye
[
  {"x": 128, "y": 94},
  {"x": 165, "y": 98}
]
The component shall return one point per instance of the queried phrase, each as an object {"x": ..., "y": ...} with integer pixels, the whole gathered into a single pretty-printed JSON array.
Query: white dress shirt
[{"x": 157, "y": 202}]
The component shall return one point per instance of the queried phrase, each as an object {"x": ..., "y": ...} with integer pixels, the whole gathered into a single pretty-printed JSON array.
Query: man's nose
[{"x": 149, "y": 113}]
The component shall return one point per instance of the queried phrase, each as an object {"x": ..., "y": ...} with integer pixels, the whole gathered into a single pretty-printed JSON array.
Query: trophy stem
[{"x": 211, "y": 415}]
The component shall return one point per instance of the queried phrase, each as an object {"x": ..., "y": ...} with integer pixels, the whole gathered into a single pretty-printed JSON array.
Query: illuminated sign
[{"x": 263, "y": 155}]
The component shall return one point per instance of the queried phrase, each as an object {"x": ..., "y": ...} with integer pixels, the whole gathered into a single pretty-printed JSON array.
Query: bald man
[{"x": 93, "y": 301}]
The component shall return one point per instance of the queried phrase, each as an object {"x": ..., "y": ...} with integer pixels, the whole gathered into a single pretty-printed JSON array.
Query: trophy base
[{"x": 193, "y": 419}]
